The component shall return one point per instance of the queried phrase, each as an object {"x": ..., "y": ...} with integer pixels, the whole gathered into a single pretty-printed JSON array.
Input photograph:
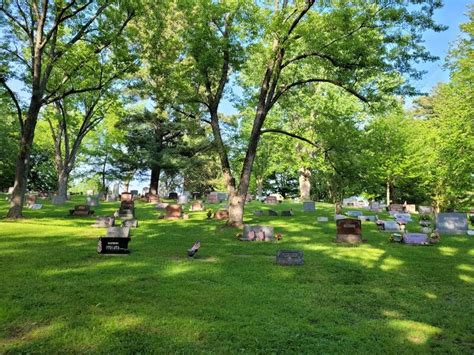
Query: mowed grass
[{"x": 58, "y": 295}]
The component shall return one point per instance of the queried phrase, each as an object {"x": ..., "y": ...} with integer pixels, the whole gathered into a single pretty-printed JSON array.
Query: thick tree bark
[
  {"x": 63, "y": 179},
  {"x": 305, "y": 184},
  {"x": 23, "y": 159},
  {"x": 155, "y": 179}
]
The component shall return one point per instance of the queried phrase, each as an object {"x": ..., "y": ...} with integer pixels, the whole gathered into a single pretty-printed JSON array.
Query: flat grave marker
[
  {"x": 290, "y": 257},
  {"x": 258, "y": 233}
]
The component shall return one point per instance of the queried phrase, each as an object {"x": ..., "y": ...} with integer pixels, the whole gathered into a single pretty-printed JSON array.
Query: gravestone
[
  {"x": 323, "y": 219},
  {"x": 36, "y": 206},
  {"x": 197, "y": 195},
  {"x": 221, "y": 215},
  {"x": 222, "y": 196},
  {"x": 196, "y": 206},
  {"x": 257, "y": 233},
  {"x": 410, "y": 208},
  {"x": 391, "y": 226},
  {"x": 272, "y": 213},
  {"x": 451, "y": 223},
  {"x": 259, "y": 213},
  {"x": 104, "y": 222},
  {"x": 152, "y": 198},
  {"x": 130, "y": 223},
  {"x": 405, "y": 217},
  {"x": 338, "y": 217},
  {"x": 173, "y": 195},
  {"x": 111, "y": 198},
  {"x": 92, "y": 201},
  {"x": 416, "y": 238},
  {"x": 348, "y": 231},
  {"x": 212, "y": 198},
  {"x": 58, "y": 200},
  {"x": 309, "y": 206},
  {"x": 173, "y": 211},
  {"x": 115, "y": 242},
  {"x": 81, "y": 210},
  {"x": 30, "y": 200},
  {"x": 271, "y": 200},
  {"x": 126, "y": 214},
  {"x": 423, "y": 210},
  {"x": 145, "y": 190},
  {"x": 161, "y": 205},
  {"x": 183, "y": 199},
  {"x": 287, "y": 213},
  {"x": 248, "y": 198},
  {"x": 354, "y": 213},
  {"x": 395, "y": 207},
  {"x": 126, "y": 196},
  {"x": 127, "y": 205},
  {"x": 289, "y": 257},
  {"x": 134, "y": 192}
]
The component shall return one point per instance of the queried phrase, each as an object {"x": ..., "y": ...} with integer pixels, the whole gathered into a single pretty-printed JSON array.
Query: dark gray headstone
[
  {"x": 272, "y": 213},
  {"x": 134, "y": 192},
  {"x": 290, "y": 257},
  {"x": 309, "y": 206},
  {"x": 259, "y": 213},
  {"x": 287, "y": 213},
  {"x": 451, "y": 223},
  {"x": 92, "y": 201}
]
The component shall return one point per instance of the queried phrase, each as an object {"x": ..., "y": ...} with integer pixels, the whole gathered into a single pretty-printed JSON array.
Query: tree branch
[
  {"x": 279, "y": 131},
  {"x": 317, "y": 80}
]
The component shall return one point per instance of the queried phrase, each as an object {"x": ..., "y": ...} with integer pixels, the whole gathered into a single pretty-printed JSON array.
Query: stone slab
[{"x": 290, "y": 257}]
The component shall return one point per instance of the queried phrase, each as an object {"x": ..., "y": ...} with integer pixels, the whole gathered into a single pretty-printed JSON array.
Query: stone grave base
[{"x": 348, "y": 238}]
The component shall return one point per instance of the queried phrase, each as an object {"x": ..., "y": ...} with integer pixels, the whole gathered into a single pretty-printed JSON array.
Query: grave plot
[
  {"x": 221, "y": 215},
  {"x": 271, "y": 200},
  {"x": 309, "y": 206},
  {"x": 290, "y": 257},
  {"x": 81, "y": 210},
  {"x": 173, "y": 212},
  {"x": 348, "y": 231},
  {"x": 115, "y": 242},
  {"x": 196, "y": 206},
  {"x": 257, "y": 233},
  {"x": 451, "y": 223}
]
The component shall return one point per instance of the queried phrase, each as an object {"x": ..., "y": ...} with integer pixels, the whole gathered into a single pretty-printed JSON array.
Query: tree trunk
[
  {"x": 155, "y": 180},
  {"x": 259, "y": 189},
  {"x": 23, "y": 160},
  {"x": 387, "y": 197},
  {"x": 305, "y": 184},
  {"x": 236, "y": 210},
  {"x": 63, "y": 178}
]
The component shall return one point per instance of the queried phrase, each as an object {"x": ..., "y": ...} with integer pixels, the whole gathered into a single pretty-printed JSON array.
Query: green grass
[{"x": 58, "y": 295}]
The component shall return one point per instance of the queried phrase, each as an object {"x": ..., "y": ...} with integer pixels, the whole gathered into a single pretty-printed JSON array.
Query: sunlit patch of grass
[{"x": 59, "y": 296}]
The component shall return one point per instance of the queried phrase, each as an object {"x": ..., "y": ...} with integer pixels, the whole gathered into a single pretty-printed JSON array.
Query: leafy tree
[{"x": 46, "y": 46}]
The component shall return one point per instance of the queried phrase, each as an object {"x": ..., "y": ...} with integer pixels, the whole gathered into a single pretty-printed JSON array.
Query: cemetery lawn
[{"x": 58, "y": 295}]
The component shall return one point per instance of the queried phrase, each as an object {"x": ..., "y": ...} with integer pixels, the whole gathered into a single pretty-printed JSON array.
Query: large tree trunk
[
  {"x": 305, "y": 184},
  {"x": 155, "y": 179},
  {"x": 23, "y": 159},
  {"x": 63, "y": 179}
]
